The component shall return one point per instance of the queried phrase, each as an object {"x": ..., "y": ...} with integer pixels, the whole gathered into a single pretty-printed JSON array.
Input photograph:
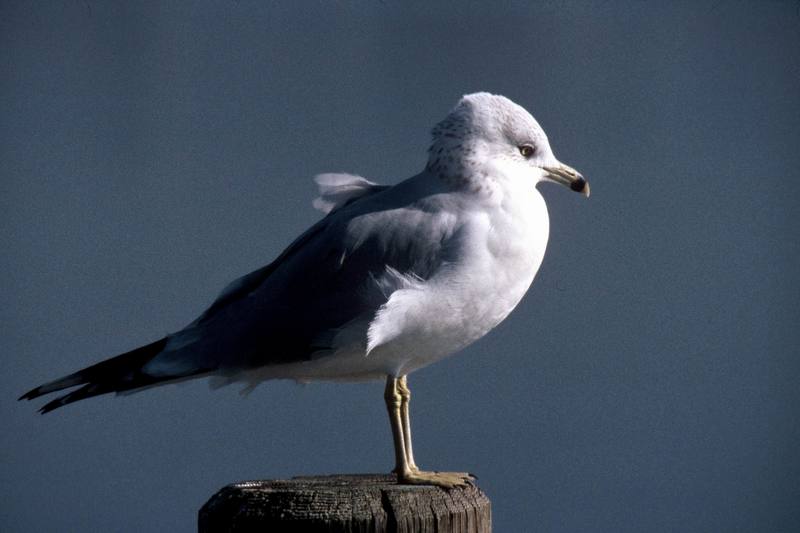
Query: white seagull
[{"x": 392, "y": 279}]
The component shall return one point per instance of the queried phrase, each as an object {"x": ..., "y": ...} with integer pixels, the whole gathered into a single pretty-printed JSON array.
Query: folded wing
[{"x": 373, "y": 240}]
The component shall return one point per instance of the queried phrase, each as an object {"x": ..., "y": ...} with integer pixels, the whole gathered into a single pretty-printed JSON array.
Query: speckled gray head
[{"x": 486, "y": 135}]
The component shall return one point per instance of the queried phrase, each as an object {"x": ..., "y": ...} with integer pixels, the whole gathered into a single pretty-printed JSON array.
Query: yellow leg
[
  {"x": 397, "y": 397},
  {"x": 405, "y": 399},
  {"x": 393, "y": 403}
]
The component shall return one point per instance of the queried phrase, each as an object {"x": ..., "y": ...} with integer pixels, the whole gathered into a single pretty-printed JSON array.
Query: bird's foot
[
  {"x": 411, "y": 466},
  {"x": 447, "y": 480}
]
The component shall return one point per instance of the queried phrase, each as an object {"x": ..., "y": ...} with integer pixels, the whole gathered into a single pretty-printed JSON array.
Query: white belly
[{"x": 452, "y": 311}]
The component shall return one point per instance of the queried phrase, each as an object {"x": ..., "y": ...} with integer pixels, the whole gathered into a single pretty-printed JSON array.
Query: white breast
[{"x": 502, "y": 250}]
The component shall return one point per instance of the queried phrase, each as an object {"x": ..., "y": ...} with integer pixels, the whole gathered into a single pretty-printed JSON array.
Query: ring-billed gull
[{"x": 392, "y": 279}]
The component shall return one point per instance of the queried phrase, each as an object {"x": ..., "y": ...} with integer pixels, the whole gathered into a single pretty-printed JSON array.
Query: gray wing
[
  {"x": 336, "y": 191},
  {"x": 342, "y": 269}
]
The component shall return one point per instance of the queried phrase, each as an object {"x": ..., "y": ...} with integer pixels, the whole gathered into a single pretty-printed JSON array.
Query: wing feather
[{"x": 340, "y": 271}]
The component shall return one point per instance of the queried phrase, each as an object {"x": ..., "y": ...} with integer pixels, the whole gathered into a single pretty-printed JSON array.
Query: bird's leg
[
  {"x": 397, "y": 396},
  {"x": 405, "y": 399},
  {"x": 393, "y": 404}
]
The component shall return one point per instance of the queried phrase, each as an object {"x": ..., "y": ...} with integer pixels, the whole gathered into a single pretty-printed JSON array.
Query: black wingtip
[
  {"x": 51, "y": 406},
  {"x": 87, "y": 391},
  {"x": 111, "y": 375},
  {"x": 30, "y": 395}
]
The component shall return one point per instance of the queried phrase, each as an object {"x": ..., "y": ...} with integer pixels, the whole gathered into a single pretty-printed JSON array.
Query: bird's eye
[{"x": 526, "y": 150}]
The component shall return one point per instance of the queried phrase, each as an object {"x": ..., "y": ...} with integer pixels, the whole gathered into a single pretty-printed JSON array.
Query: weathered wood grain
[{"x": 368, "y": 503}]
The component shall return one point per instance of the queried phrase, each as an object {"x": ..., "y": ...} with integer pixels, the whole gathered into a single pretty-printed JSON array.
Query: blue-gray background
[{"x": 152, "y": 151}]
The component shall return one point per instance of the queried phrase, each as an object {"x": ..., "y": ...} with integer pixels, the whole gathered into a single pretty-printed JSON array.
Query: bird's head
[{"x": 488, "y": 136}]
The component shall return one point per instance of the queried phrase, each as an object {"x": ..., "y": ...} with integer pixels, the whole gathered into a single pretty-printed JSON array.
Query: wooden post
[{"x": 367, "y": 503}]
